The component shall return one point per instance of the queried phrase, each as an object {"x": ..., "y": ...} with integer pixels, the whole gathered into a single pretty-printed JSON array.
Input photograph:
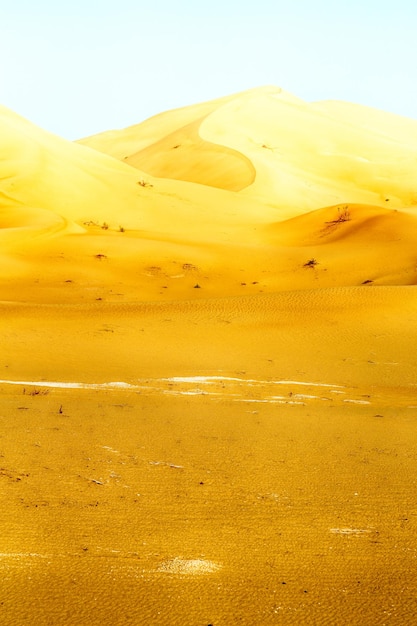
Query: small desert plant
[
  {"x": 344, "y": 214},
  {"x": 144, "y": 183},
  {"x": 311, "y": 263},
  {"x": 37, "y": 392},
  {"x": 105, "y": 226},
  {"x": 121, "y": 229}
]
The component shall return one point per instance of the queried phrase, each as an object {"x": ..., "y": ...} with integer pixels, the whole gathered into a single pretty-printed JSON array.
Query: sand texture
[{"x": 208, "y": 368}]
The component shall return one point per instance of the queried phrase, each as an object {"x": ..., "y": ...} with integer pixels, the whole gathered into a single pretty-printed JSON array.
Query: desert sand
[{"x": 208, "y": 385}]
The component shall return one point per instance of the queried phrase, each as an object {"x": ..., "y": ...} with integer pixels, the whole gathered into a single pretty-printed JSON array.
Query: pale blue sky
[{"x": 80, "y": 67}]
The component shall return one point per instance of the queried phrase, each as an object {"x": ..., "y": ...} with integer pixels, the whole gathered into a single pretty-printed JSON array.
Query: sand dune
[
  {"x": 195, "y": 160},
  {"x": 305, "y": 155},
  {"x": 205, "y": 222},
  {"x": 208, "y": 370}
]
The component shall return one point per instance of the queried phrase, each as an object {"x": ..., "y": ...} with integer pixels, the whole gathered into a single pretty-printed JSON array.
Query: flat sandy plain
[{"x": 208, "y": 385}]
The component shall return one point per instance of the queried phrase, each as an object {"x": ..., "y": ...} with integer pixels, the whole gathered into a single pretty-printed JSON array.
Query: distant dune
[
  {"x": 304, "y": 155},
  {"x": 236, "y": 196}
]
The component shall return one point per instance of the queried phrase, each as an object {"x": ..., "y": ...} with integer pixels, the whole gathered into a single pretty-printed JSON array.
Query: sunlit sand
[{"x": 208, "y": 369}]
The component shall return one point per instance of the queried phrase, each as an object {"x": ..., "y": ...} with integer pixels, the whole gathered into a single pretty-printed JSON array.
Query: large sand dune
[
  {"x": 212, "y": 202},
  {"x": 303, "y": 156},
  {"x": 208, "y": 370}
]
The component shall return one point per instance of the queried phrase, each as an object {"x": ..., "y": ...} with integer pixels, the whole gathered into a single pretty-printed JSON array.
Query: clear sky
[{"x": 83, "y": 66}]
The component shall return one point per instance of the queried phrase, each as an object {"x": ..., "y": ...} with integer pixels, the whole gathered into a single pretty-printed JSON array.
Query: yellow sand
[{"x": 208, "y": 368}]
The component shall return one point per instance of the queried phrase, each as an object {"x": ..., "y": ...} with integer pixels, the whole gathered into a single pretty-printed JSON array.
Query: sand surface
[{"x": 208, "y": 389}]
